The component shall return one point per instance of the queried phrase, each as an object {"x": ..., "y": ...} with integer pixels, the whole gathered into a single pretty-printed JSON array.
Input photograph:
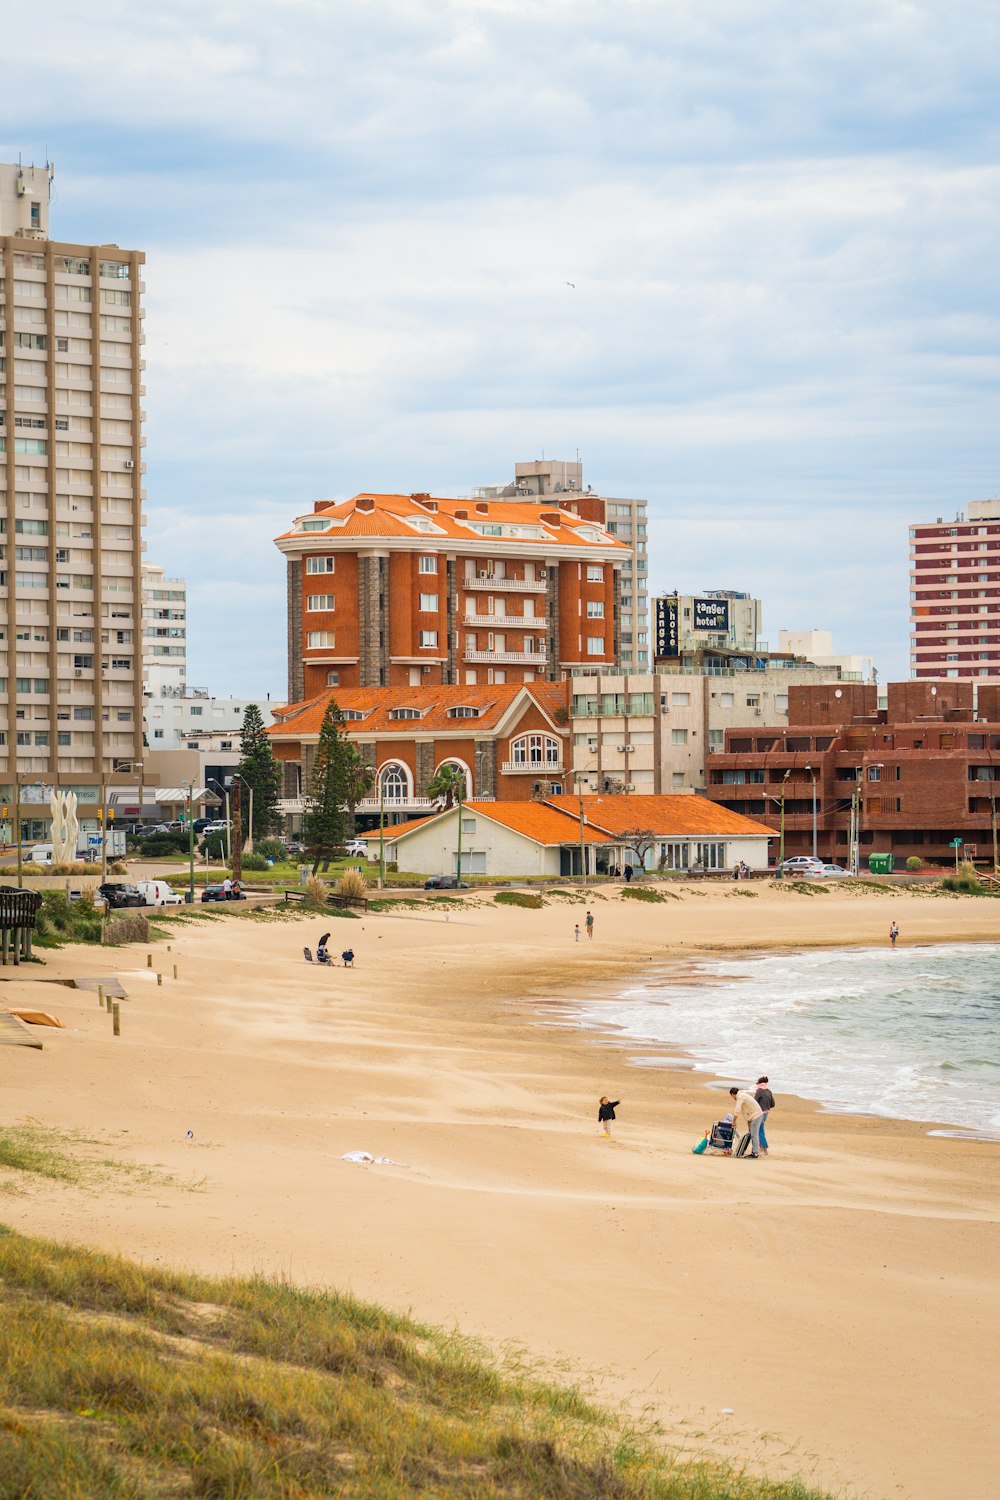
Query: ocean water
[{"x": 913, "y": 1034}]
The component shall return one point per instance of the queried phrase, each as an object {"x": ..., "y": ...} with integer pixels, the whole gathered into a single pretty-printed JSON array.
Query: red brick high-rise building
[
  {"x": 413, "y": 590},
  {"x": 955, "y": 594}
]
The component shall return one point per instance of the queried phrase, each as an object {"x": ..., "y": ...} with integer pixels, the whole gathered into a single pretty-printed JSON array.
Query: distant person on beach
[
  {"x": 589, "y": 924},
  {"x": 576, "y": 933},
  {"x": 628, "y": 874},
  {"x": 893, "y": 934},
  {"x": 746, "y": 1111},
  {"x": 606, "y": 1113},
  {"x": 765, "y": 1099}
]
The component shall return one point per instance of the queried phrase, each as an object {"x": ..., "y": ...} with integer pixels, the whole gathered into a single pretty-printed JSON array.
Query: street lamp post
[
  {"x": 812, "y": 773},
  {"x": 381, "y": 833},
  {"x": 458, "y": 858},
  {"x": 190, "y": 801},
  {"x": 780, "y": 799},
  {"x": 583, "y": 843},
  {"x": 17, "y": 824}
]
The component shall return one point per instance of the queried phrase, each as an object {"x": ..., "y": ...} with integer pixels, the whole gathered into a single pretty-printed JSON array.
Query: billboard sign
[
  {"x": 712, "y": 614},
  {"x": 667, "y": 642}
]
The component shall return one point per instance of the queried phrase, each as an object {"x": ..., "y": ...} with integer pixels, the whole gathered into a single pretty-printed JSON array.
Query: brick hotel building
[
  {"x": 955, "y": 594},
  {"x": 415, "y": 590}
]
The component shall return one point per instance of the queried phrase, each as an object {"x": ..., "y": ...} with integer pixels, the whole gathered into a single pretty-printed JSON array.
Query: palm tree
[{"x": 447, "y": 785}]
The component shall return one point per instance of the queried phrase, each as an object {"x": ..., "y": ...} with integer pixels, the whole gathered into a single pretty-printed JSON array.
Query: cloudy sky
[{"x": 781, "y": 222}]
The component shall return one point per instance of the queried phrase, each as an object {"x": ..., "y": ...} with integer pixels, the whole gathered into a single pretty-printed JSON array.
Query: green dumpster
[{"x": 881, "y": 864}]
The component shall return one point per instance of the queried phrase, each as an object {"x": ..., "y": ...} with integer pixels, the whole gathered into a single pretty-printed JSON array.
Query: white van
[
  {"x": 157, "y": 893},
  {"x": 41, "y": 854}
]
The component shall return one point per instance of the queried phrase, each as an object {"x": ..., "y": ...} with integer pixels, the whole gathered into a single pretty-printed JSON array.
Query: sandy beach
[{"x": 841, "y": 1298}]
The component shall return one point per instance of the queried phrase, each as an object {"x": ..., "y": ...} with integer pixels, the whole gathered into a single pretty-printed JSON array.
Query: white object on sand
[{"x": 364, "y": 1157}]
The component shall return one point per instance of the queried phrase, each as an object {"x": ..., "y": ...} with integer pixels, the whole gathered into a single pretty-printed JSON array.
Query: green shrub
[
  {"x": 62, "y": 920},
  {"x": 254, "y": 862},
  {"x": 914, "y": 862},
  {"x": 214, "y": 845},
  {"x": 528, "y": 899},
  {"x": 966, "y": 882},
  {"x": 156, "y": 845},
  {"x": 352, "y": 887},
  {"x": 641, "y": 893},
  {"x": 270, "y": 849}
]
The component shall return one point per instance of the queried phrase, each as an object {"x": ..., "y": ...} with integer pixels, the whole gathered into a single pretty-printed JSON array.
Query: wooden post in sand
[
  {"x": 149, "y": 960},
  {"x": 175, "y": 971},
  {"x": 159, "y": 979},
  {"x": 116, "y": 1024},
  {"x": 108, "y": 1002},
  {"x": 100, "y": 995}
]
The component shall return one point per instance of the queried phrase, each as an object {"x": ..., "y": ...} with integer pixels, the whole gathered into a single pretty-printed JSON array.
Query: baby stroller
[{"x": 722, "y": 1137}]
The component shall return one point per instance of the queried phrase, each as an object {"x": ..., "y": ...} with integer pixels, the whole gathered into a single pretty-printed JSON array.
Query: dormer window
[
  {"x": 463, "y": 711},
  {"x": 315, "y": 525},
  {"x": 405, "y": 713},
  {"x": 352, "y": 713}
]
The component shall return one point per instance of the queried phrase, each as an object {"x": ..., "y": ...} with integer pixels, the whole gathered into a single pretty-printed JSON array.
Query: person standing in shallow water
[{"x": 893, "y": 934}]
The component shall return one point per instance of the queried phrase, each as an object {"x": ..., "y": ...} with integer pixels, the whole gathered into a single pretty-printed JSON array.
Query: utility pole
[
  {"x": 381, "y": 834},
  {"x": 17, "y": 825},
  {"x": 237, "y": 830},
  {"x": 993, "y": 826},
  {"x": 191, "y": 843},
  {"x": 458, "y": 857},
  {"x": 104, "y": 826}
]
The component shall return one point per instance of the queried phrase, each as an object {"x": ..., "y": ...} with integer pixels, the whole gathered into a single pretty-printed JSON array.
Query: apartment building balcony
[
  {"x": 508, "y": 658},
  {"x": 501, "y": 622},
  {"x": 506, "y": 585},
  {"x": 532, "y": 768},
  {"x": 397, "y": 804}
]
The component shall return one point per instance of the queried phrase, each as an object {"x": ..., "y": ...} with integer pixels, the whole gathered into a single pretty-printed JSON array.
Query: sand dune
[{"x": 841, "y": 1297}]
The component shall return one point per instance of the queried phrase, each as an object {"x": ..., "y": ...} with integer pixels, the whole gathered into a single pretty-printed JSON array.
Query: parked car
[
  {"x": 217, "y": 825},
  {"x": 200, "y": 824},
  {"x": 120, "y": 893},
  {"x": 802, "y": 864},
  {"x": 357, "y": 849},
  {"x": 835, "y": 872},
  {"x": 158, "y": 893},
  {"x": 292, "y": 846},
  {"x": 218, "y": 893},
  {"x": 445, "y": 883}
]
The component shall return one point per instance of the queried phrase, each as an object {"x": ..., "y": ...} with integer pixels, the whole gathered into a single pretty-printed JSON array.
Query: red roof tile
[
  {"x": 665, "y": 816},
  {"x": 376, "y": 704}
]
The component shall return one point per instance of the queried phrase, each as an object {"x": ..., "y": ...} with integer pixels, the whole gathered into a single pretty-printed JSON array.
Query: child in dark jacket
[{"x": 606, "y": 1113}]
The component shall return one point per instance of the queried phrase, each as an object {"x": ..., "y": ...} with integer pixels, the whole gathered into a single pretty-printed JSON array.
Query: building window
[
  {"x": 463, "y": 711},
  {"x": 678, "y": 736},
  {"x": 712, "y": 856},
  {"x": 321, "y": 601},
  {"x": 405, "y": 713},
  {"x": 319, "y": 564},
  {"x": 674, "y": 856},
  {"x": 716, "y": 738},
  {"x": 315, "y": 525},
  {"x": 393, "y": 784},
  {"x": 535, "y": 750},
  {"x": 429, "y": 603},
  {"x": 595, "y": 609},
  {"x": 427, "y": 565},
  {"x": 595, "y": 645},
  {"x": 874, "y": 773},
  {"x": 318, "y": 639},
  {"x": 677, "y": 778},
  {"x": 680, "y": 700},
  {"x": 595, "y": 573},
  {"x": 428, "y": 638},
  {"x": 333, "y": 679}
]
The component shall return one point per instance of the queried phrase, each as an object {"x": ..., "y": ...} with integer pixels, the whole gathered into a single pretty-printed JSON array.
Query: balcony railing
[
  {"x": 502, "y": 658},
  {"x": 396, "y": 804},
  {"x": 501, "y": 622},
  {"x": 535, "y": 768},
  {"x": 506, "y": 585}
]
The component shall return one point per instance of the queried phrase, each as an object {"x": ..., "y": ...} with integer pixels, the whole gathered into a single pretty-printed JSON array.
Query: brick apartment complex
[
  {"x": 927, "y": 768},
  {"x": 411, "y": 590},
  {"x": 510, "y": 742},
  {"x": 955, "y": 594},
  {"x": 71, "y": 498}
]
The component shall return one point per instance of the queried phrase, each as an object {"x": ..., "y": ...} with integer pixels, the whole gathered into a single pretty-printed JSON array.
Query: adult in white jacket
[{"x": 747, "y": 1111}]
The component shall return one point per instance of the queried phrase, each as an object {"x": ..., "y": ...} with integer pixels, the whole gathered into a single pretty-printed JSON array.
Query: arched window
[
  {"x": 464, "y": 772},
  {"x": 532, "y": 750},
  {"x": 393, "y": 783}
]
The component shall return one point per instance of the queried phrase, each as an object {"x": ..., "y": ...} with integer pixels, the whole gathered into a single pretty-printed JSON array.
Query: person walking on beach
[
  {"x": 606, "y": 1113},
  {"x": 893, "y": 934},
  {"x": 589, "y": 924},
  {"x": 747, "y": 1111},
  {"x": 765, "y": 1099}
]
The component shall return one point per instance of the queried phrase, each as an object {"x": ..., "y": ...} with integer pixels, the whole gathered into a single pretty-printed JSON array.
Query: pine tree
[
  {"x": 338, "y": 781},
  {"x": 260, "y": 771}
]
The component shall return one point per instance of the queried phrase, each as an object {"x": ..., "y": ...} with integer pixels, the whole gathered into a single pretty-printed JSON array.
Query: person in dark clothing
[
  {"x": 606, "y": 1113},
  {"x": 628, "y": 874},
  {"x": 765, "y": 1099}
]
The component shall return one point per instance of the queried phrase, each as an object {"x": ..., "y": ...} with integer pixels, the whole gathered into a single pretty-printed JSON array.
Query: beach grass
[{"x": 127, "y": 1382}]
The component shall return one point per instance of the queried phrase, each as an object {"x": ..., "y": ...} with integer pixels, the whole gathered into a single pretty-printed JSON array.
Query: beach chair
[
  {"x": 348, "y": 957},
  {"x": 322, "y": 957},
  {"x": 307, "y": 955},
  {"x": 721, "y": 1138}
]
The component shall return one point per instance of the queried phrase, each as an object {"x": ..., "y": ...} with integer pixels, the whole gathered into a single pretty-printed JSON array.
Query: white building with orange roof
[{"x": 414, "y": 590}]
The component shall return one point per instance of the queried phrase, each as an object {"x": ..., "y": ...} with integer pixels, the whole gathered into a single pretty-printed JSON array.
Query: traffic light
[
  {"x": 111, "y": 815},
  {"x": 100, "y": 815},
  {"x": 4, "y": 811}
]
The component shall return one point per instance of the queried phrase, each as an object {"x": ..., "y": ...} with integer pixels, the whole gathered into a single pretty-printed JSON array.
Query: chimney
[
  {"x": 482, "y": 508},
  {"x": 319, "y": 505},
  {"x": 365, "y": 503},
  {"x": 425, "y": 500},
  {"x": 550, "y": 518},
  {"x": 461, "y": 515}
]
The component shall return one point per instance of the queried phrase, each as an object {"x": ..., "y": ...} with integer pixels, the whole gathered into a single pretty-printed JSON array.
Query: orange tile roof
[
  {"x": 397, "y": 515},
  {"x": 306, "y": 718},
  {"x": 533, "y": 820},
  {"x": 666, "y": 815}
]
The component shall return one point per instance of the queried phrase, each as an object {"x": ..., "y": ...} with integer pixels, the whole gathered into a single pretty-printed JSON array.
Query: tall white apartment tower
[
  {"x": 164, "y": 633},
  {"x": 70, "y": 502}
]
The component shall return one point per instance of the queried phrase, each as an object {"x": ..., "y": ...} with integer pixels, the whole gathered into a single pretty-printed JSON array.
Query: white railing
[
  {"x": 506, "y": 585},
  {"x": 293, "y": 804},
  {"x": 500, "y": 622},
  {"x": 499, "y": 658},
  {"x": 537, "y": 768},
  {"x": 394, "y": 804}
]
